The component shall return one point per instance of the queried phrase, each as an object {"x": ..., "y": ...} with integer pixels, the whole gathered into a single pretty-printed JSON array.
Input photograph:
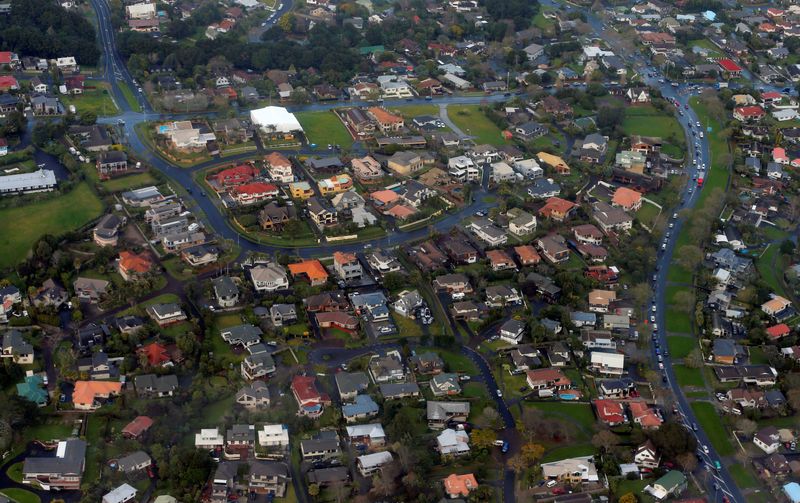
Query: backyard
[
  {"x": 647, "y": 121},
  {"x": 97, "y": 101},
  {"x": 324, "y": 128},
  {"x": 472, "y": 121},
  {"x": 22, "y": 226},
  {"x": 21, "y": 495}
]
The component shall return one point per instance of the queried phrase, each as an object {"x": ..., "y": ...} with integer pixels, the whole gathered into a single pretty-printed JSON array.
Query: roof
[
  {"x": 626, "y": 197},
  {"x": 86, "y": 391},
  {"x": 311, "y": 268},
  {"x": 138, "y": 426},
  {"x": 279, "y": 117},
  {"x": 729, "y": 65},
  {"x": 69, "y": 459},
  {"x": 383, "y": 116},
  {"x": 527, "y": 253},
  {"x": 42, "y": 177},
  {"x": 133, "y": 262},
  {"x": 459, "y": 485}
]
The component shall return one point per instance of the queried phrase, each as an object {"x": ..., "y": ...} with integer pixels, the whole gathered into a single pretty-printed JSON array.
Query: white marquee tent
[{"x": 277, "y": 117}]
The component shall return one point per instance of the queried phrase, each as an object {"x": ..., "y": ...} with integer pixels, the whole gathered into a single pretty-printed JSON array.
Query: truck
[{"x": 700, "y": 182}]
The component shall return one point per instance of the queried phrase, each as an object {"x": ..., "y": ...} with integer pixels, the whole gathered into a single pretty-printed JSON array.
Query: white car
[
  {"x": 499, "y": 394},
  {"x": 705, "y": 449},
  {"x": 654, "y": 308},
  {"x": 652, "y": 319}
]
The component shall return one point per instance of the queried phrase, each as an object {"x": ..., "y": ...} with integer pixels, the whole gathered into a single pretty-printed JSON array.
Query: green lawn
[
  {"x": 636, "y": 487},
  {"x": 579, "y": 414},
  {"x": 406, "y": 327},
  {"x": 678, "y": 321},
  {"x": 706, "y": 44},
  {"x": 766, "y": 268},
  {"x": 709, "y": 419},
  {"x": 57, "y": 430},
  {"x": 474, "y": 390},
  {"x": 568, "y": 451},
  {"x": 21, "y": 495},
  {"x": 679, "y": 347},
  {"x": 22, "y": 226},
  {"x": 647, "y": 121},
  {"x": 742, "y": 476},
  {"x": 648, "y": 214},
  {"x": 129, "y": 182},
  {"x": 14, "y": 472},
  {"x": 323, "y": 128},
  {"x": 472, "y": 121},
  {"x": 456, "y": 362},
  {"x": 687, "y": 376},
  {"x": 97, "y": 101},
  {"x": 127, "y": 92},
  {"x": 410, "y": 111}
]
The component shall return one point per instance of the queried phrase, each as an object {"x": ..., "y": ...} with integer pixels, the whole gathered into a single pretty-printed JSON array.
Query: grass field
[
  {"x": 709, "y": 419},
  {"x": 766, "y": 268},
  {"x": 679, "y": 347},
  {"x": 678, "y": 321},
  {"x": 129, "y": 182},
  {"x": 687, "y": 376},
  {"x": 323, "y": 128},
  {"x": 648, "y": 121},
  {"x": 21, "y": 495},
  {"x": 706, "y": 44},
  {"x": 742, "y": 476},
  {"x": 568, "y": 451},
  {"x": 579, "y": 414},
  {"x": 472, "y": 121},
  {"x": 130, "y": 98},
  {"x": 22, "y": 226},
  {"x": 97, "y": 101},
  {"x": 648, "y": 214},
  {"x": 410, "y": 111}
]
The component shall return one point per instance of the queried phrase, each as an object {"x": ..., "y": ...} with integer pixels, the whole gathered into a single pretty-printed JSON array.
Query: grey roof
[
  {"x": 165, "y": 309},
  {"x": 320, "y": 444},
  {"x": 513, "y": 326},
  {"x": 112, "y": 156},
  {"x": 24, "y": 181},
  {"x": 443, "y": 410},
  {"x": 350, "y": 382},
  {"x": 257, "y": 390},
  {"x": 364, "y": 404},
  {"x": 133, "y": 460},
  {"x": 18, "y": 345},
  {"x": 69, "y": 459},
  {"x": 268, "y": 469},
  {"x": 328, "y": 475},
  {"x": 241, "y": 433},
  {"x": 155, "y": 384},
  {"x": 395, "y": 389},
  {"x": 224, "y": 286}
]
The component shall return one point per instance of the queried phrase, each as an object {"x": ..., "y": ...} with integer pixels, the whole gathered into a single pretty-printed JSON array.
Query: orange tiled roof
[
  {"x": 626, "y": 197},
  {"x": 384, "y": 117},
  {"x": 460, "y": 485},
  {"x": 527, "y": 254},
  {"x": 86, "y": 391},
  {"x": 344, "y": 258},
  {"x": 133, "y": 262},
  {"x": 401, "y": 211},
  {"x": 311, "y": 268},
  {"x": 277, "y": 159}
]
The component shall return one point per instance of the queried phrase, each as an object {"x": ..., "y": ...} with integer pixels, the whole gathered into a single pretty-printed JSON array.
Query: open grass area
[
  {"x": 636, "y": 487},
  {"x": 579, "y": 414},
  {"x": 687, "y": 376},
  {"x": 768, "y": 265},
  {"x": 323, "y": 128},
  {"x": 55, "y": 430},
  {"x": 97, "y": 101},
  {"x": 410, "y": 111},
  {"x": 22, "y": 226},
  {"x": 648, "y": 214},
  {"x": 709, "y": 419},
  {"x": 706, "y": 44},
  {"x": 679, "y": 347},
  {"x": 406, "y": 327},
  {"x": 21, "y": 495},
  {"x": 130, "y": 98},
  {"x": 743, "y": 477},
  {"x": 568, "y": 451},
  {"x": 129, "y": 182},
  {"x": 678, "y": 321},
  {"x": 648, "y": 121},
  {"x": 472, "y": 121}
]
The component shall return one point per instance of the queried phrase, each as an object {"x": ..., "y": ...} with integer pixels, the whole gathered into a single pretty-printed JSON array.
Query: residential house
[
  {"x": 557, "y": 209},
  {"x": 646, "y": 456},
  {"x": 269, "y": 278},
  {"x": 254, "y": 396},
  {"x": 767, "y": 439},
  {"x": 452, "y": 443},
  {"x": 17, "y": 348},
  {"x": 572, "y": 470},
  {"x": 363, "y": 407},
  {"x": 225, "y": 291},
  {"x": 166, "y": 314},
  {"x": 611, "y": 218},
  {"x": 440, "y": 414},
  {"x": 309, "y": 399},
  {"x": 607, "y": 363},
  {"x": 445, "y": 384},
  {"x": 151, "y": 385},
  {"x": 610, "y": 412},
  {"x": 60, "y": 471},
  {"x": 282, "y": 314}
]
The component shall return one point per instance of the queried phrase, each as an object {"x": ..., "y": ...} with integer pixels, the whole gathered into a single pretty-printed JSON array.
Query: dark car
[{"x": 505, "y": 447}]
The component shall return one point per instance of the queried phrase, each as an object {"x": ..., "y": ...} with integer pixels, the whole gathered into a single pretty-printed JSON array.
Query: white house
[{"x": 608, "y": 363}]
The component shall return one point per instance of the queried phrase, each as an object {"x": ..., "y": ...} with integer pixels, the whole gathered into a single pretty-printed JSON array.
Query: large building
[
  {"x": 43, "y": 180},
  {"x": 275, "y": 120},
  {"x": 60, "y": 472}
]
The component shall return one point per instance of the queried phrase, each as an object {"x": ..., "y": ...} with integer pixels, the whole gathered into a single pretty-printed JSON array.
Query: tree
[
  {"x": 483, "y": 438},
  {"x": 687, "y": 460},
  {"x": 482, "y": 494},
  {"x": 628, "y": 498},
  {"x": 793, "y": 398},
  {"x": 673, "y": 439},
  {"x": 532, "y": 453},
  {"x": 313, "y": 490},
  {"x": 746, "y": 426},
  {"x": 694, "y": 359},
  {"x": 489, "y": 418},
  {"x": 683, "y": 300},
  {"x": 605, "y": 440},
  {"x": 689, "y": 257}
]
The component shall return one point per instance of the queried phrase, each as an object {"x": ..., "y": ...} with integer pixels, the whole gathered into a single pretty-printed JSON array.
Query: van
[
  {"x": 458, "y": 295},
  {"x": 551, "y": 483}
]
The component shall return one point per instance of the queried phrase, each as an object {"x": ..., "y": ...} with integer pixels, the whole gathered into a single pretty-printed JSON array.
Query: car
[
  {"x": 558, "y": 491},
  {"x": 653, "y": 308},
  {"x": 697, "y": 124},
  {"x": 705, "y": 449},
  {"x": 498, "y": 442},
  {"x": 694, "y": 426},
  {"x": 663, "y": 377},
  {"x": 505, "y": 447},
  {"x": 499, "y": 394},
  {"x": 671, "y": 225},
  {"x": 660, "y": 365},
  {"x": 652, "y": 319},
  {"x": 464, "y": 378},
  {"x": 717, "y": 465},
  {"x": 674, "y": 216}
]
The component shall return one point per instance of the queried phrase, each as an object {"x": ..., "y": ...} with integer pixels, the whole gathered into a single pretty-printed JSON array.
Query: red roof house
[
  {"x": 137, "y": 427},
  {"x": 729, "y": 65},
  {"x": 238, "y": 175},
  {"x": 776, "y": 332},
  {"x": 610, "y": 412},
  {"x": 310, "y": 400},
  {"x": 8, "y": 83},
  {"x": 749, "y": 113}
]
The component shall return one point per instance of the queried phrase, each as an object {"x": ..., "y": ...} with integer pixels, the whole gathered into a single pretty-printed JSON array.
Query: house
[
  {"x": 268, "y": 478},
  {"x": 776, "y": 306},
  {"x": 587, "y": 234},
  {"x": 428, "y": 363},
  {"x": 405, "y": 162},
  {"x": 486, "y": 231},
  {"x": 254, "y": 395},
  {"x": 557, "y": 209},
  {"x": 554, "y": 162},
  {"x": 132, "y": 266},
  {"x": 387, "y": 368},
  {"x": 61, "y": 471},
  {"x": 459, "y": 486},
  {"x": 335, "y": 184},
  {"x": 607, "y": 363},
  {"x": 166, "y": 314},
  {"x": 601, "y": 300},
  {"x": 778, "y": 331},
  {"x": 273, "y": 217},
  {"x": 321, "y": 213},
  {"x": 452, "y": 443},
  {"x": 151, "y": 385},
  {"x": 282, "y": 314},
  {"x": 554, "y": 106},
  {"x": 727, "y": 351},
  {"x": 363, "y": 407},
  {"x": 309, "y": 399},
  {"x": 627, "y": 199},
  {"x": 533, "y": 51},
  {"x": 593, "y": 148},
  {"x": 395, "y": 391},
  {"x": 244, "y": 335},
  {"x": 547, "y": 381},
  {"x": 572, "y": 470},
  {"x": 616, "y": 388},
  {"x": 138, "y": 427},
  {"x": 512, "y": 331},
  {"x": 257, "y": 365},
  {"x": 453, "y": 283},
  {"x": 445, "y": 385},
  {"x": 460, "y": 250},
  {"x": 90, "y": 336},
  {"x": 521, "y": 223},
  {"x": 32, "y": 389},
  {"x": 134, "y": 462},
  {"x": 387, "y": 122},
  {"x": 350, "y": 384},
  {"x": 554, "y": 248},
  {"x": 369, "y": 435},
  {"x": 273, "y": 435},
  {"x": 225, "y": 291},
  {"x": 209, "y": 438},
  {"x": 301, "y": 190},
  {"x": 366, "y": 169},
  {"x": 671, "y": 484},
  {"x": 644, "y": 415},
  {"x": 611, "y": 218},
  {"x": 499, "y": 260},
  {"x": 646, "y": 456},
  {"x": 106, "y": 232},
  {"x": 382, "y": 263},
  {"x": 87, "y": 394},
  {"x": 369, "y": 464},
  {"x": 749, "y": 113},
  {"x": 326, "y": 477},
  {"x": 240, "y": 435},
  {"x": 408, "y": 303},
  {"x": 111, "y": 163},
  {"x": 311, "y": 270},
  {"x": 527, "y": 255},
  {"x": 767, "y": 439},
  {"x": 610, "y": 412},
  {"x": 530, "y": 130},
  {"x": 347, "y": 266},
  {"x": 440, "y": 414},
  {"x": 269, "y": 278}
]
